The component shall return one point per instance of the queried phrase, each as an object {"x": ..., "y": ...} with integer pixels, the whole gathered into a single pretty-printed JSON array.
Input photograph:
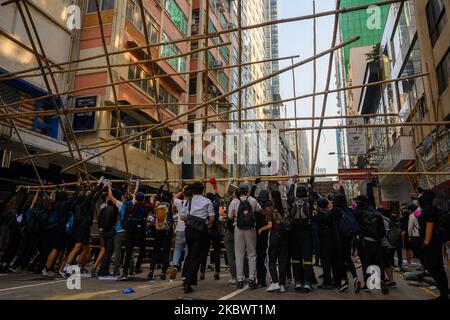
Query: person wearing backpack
[
  {"x": 348, "y": 229},
  {"x": 433, "y": 228},
  {"x": 301, "y": 239},
  {"x": 198, "y": 216},
  {"x": 262, "y": 227},
  {"x": 134, "y": 224},
  {"x": 389, "y": 243},
  {"x": 372, "y": 230},
  {"x": 231, "y": 194},
  {"x": 243, "y": 210}
]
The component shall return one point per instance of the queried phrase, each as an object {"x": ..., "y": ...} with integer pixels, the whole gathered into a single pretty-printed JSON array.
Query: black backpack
[
  {"x": 348, "y": 226},
  {"x": 136, "y": 217},
  {"x": 301, "y": 211},
  {"x": 444, "y": 225},
  {"x": 394, "y": 233},
  {"x": 245, "y": 217},
  {"x": 375, "y": 225}
]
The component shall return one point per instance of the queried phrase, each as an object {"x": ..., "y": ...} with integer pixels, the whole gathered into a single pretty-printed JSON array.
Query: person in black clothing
[
  {"x": 371, "y": 232},
  {"x": 341, "y": 207},
  {"x": 301, "y": 241},
  {"x": 84, "y": 216},
  {"x": 57, "y": 227},
  {"x": 407, "y": 243},
  {"x": 432, "y": 242},
  {"x": 263, "y": 235},
  {"x": 107, "y": 220},
  {"x": 331, "y": 248},
  {"x": 7, "y": 207},
  {"x": 278, "y": 243},
  {"x": 134, "y": 225},
  {"x": 214, "y": 233}
]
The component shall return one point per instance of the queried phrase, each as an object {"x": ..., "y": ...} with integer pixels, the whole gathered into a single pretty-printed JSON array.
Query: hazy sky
[{"x": 297, "y": 38}]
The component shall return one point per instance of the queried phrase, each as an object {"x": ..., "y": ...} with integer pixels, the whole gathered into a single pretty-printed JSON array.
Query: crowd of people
[{"x": 266, "y": 237}]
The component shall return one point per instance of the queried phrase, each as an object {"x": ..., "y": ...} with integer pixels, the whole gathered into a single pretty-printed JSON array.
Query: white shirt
[
  {"x": 181, "y": 226},
  {"x": 234, "y": 206},
  {"x": 201, "y": 207},
  {"x": 413, "y": 226}
]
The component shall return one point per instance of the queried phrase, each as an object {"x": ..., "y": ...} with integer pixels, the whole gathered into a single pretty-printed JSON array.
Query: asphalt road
[{"x": 27, "y": 286}]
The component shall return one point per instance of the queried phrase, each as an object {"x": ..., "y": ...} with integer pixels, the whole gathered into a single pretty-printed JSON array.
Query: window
[
  {"x": 135, "y": 72},
  {"x": 193, "y": 86},
  {"x": 104, "y": 5},
  {"x": 224, "y": 81},
  {"x": 225, "y": 53},
  {"x": 179, "y": 64},
  {"x": 177, "y": 16},
  {"x": 212, "y": 29},
  {"x": 443, "y": 72},
  {"x": 135, "y": 17},
  {"x": 437, "y": 19},
  {"x": 166, "y": 97},
  {"x": 127, "y": 121}
]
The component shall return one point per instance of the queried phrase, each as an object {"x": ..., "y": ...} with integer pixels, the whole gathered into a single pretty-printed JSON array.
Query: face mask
[
  {"x": 416, "y": 202},
  {"x": 417, "y": 213}
]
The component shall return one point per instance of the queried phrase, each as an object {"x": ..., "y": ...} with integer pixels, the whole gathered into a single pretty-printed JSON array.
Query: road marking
[
  {"x": 82, "y": 296},
  {"x": 430, "y": 292},
  {"x": 32, "y": 285},
  {"x": 234, "y": 293}
]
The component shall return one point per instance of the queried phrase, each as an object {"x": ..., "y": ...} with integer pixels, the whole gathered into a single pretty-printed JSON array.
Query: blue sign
[{"x": 84, "y": 120}]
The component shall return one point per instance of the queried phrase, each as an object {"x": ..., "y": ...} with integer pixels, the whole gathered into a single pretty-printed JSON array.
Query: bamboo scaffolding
[
  {"x": 369, "y": 174},
  {"x": 239, "y": 54},
  {"x": 205, "y": 79},
  {"x": 145, "y": 106},
  {"x": 215, "y": 34},
  {"x": 67, "y": 130},
  {"x": 155, "y": 89},
  {"x": 297, "y": 149},
  {"x": 327, "y": 87},
  {"x": 250, "y": 84}
]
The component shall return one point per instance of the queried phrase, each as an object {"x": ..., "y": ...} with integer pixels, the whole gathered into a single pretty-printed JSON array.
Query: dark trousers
[
  {"x": 398, "y": 250},
  {"x": 214, "y": 239},
  {"x": 301, "y": 243},
  {"x": 135, "y": 238},
  {"x": 371, "y": 253},
  {"x": 13, "y": 246},
  {"x": 435, "y": 265},
  {"x": 347, "y": 254},
  {"x": 197, "y": 247},
  {"x": 278, "y": 252},
  {"x": 27, "y": 247},
  {"x": 332, "y": 257},
  {"x": 108, "y": 240},
  {"x": 161, "y": 249},
  {"x": 261, "y": 254}
]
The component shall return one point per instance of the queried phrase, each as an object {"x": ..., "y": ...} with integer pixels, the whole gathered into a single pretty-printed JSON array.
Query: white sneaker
[
  {"x": 282, "y": 289},
  {"x": 48, "y": 273},
  {"x": 232, "y": 282},
  {"x": 273, "y": 287}
]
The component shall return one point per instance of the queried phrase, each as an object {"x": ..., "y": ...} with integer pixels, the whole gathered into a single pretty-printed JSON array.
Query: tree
[{"x": 375, "y": 54}]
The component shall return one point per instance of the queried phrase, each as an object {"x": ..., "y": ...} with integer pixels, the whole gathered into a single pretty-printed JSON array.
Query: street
[{"x": 28, "y": 286}]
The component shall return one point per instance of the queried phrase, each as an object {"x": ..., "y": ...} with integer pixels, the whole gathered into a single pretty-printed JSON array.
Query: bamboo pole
[
  {"x": 67, "y": 129},
  {"x": 297, "y": 149},
  {"x": 313, "y": 111},
  {"x": 144, "y": 106},
  {"x": 327, "y": 86},
  {"x": 264, "y": 178},
  {"x": 205, "y": 79},
  {"x": 239, "y": 52},
  {"x": 111, "y": 79},
  {"x": 216, "y": 34}
]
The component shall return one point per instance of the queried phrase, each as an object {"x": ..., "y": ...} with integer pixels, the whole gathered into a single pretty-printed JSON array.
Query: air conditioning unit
[{"x": 217, "y": 64}]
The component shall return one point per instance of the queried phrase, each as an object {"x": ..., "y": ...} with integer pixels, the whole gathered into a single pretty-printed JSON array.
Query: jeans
[
  {"x": 332, "y": 260},
  {"x": 180, "y": 246},
  {"x": 278, "y": 252},
  {"x": 229, "y": 246},
  {"x": 108, "y": 240},
  {"x": 245, "y": 243},
  {"x": 119, "y": 242},
  {"x": 301, "y": 243},
  {"x": 196, "y": 242},
  {"x": 261, "y": 254}
]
